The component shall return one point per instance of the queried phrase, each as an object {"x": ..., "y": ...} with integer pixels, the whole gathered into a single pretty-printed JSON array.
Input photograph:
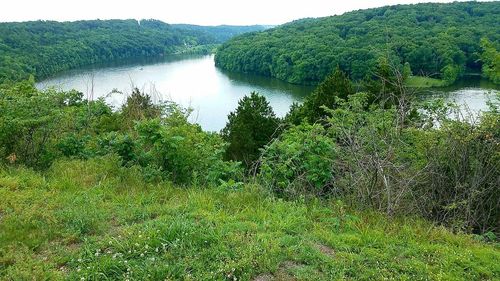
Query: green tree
[
  {"x": 407, "y": 70},
  {"x": 139, "y": 106},
  {"x": 250, "y": 128},
  {"x": 490, "y": 58},
  {"x": 335, "y": 86}
]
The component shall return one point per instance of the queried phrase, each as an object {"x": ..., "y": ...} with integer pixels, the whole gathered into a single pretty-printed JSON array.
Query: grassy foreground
[{"x": 96, "y": 220}]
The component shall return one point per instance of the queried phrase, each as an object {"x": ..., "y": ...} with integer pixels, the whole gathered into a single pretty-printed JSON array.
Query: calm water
[
  {"x": 471, "y": 92},
  {"x": 188, "y": 80},
  {"x": 195, "y": 81}
]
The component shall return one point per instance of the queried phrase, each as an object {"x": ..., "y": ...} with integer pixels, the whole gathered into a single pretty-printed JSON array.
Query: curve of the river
[{"x": 194, "y": 81}]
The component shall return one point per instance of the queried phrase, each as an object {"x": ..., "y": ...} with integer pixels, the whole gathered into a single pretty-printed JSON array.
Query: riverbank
[
  {"x": 425, "y": 82},
  {"x": 88, "y": 220}
]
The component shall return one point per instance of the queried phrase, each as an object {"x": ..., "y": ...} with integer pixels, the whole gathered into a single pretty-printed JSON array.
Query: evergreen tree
[
  {"x": 249, "y": 128},
  {"x": 337, "y": 85}
]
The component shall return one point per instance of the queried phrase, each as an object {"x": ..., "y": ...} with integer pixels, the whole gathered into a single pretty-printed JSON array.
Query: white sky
[{"x": 208, "y": 12}]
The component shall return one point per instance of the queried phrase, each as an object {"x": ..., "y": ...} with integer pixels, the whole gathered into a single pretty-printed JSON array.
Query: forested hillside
[
  {"x": 43, "y": 48},
  {"x": 436, "y": 40},
  {"x": 221, "y": 33}
]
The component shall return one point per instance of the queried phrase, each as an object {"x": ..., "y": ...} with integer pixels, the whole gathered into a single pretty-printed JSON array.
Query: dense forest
[
  {"x": 42, "y": 48},
  {"x": 221, "y": 33},
  {"x": 437, "y": 40}
]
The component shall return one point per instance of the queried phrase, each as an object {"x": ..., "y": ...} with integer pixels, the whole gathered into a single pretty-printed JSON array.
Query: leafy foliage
[
  {"x": 38, "y": 127},
  {"x": 249, "y": 128},
  {"x": 367, "y": 155},
  {"x": 437, "y": 40},
  {"x": 491, "y": 60},
  {"x": 299, "y": 162},
  {"x": 336, "y": 85}
]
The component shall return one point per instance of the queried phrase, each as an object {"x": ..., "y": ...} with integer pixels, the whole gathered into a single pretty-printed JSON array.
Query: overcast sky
[{"x": 208, "y": 12}]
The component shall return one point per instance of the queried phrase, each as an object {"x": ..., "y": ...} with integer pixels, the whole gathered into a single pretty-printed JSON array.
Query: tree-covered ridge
[
  {"x": 43, "y": 48},
  {"x": 221, "y": 33},
  {"x": 437, "y": 40}
]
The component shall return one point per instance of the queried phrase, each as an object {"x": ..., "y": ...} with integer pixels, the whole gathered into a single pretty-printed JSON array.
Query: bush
[
  {"x": 183, "y": 152},
  {"x": 461, "y": 181},
  {"x": 299, "y": 162}
]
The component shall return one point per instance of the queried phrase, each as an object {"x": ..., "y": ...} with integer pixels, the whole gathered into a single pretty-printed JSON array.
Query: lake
[{"x": 194, "y": 81}]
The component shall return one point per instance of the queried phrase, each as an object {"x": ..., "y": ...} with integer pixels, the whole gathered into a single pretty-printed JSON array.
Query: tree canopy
[{"x": 437, "y": 40}]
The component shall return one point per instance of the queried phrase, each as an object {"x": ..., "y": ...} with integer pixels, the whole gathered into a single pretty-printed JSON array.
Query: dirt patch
[
  {"x": 264, "y": 277},
  {"x": 324, "y": 249},
  {"x": 289, "y": 265},
  {"x": 282, "y": 274}
]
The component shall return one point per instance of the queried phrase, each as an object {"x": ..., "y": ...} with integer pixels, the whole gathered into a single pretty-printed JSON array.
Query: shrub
[
  {"x": 183, "y": 152},
  {"x": 299, "y": 162}
]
